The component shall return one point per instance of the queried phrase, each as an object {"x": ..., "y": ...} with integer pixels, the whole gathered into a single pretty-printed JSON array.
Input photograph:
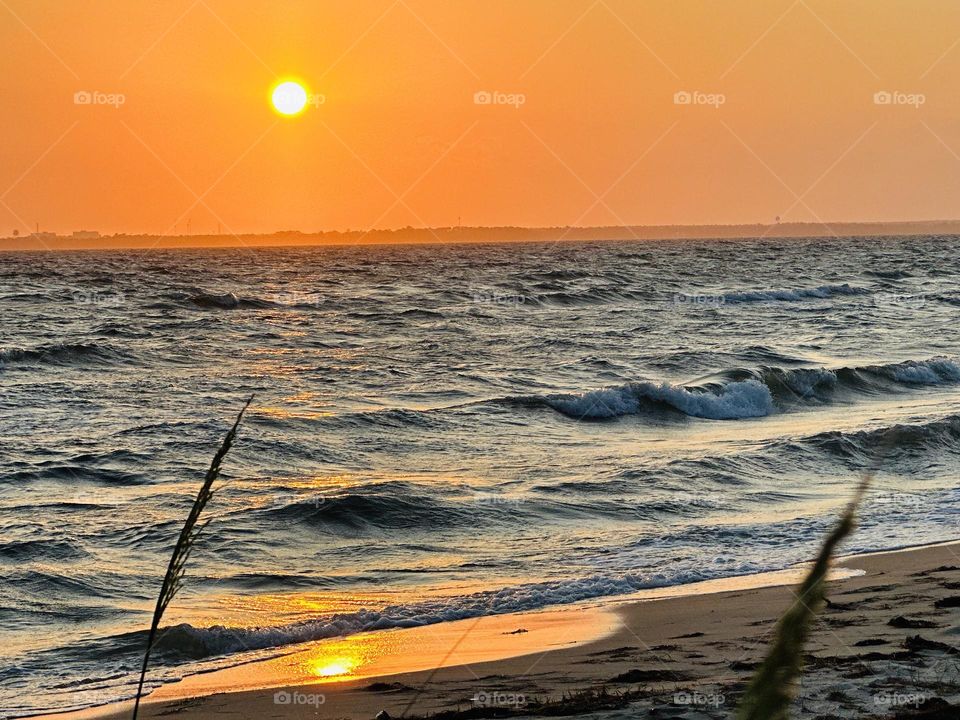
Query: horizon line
[
  {"x": 462, "y": 228},
  {"x": 473, "y": 235}
]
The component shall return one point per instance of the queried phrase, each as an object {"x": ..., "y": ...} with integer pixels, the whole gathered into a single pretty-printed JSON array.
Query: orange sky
[{"x": 399, "y": 140}]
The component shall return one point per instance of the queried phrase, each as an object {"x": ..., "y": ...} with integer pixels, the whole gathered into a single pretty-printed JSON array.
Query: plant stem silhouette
[{"x": 173, "y": 580}]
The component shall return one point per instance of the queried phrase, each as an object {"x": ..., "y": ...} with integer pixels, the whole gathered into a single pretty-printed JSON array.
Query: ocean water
[{"x": 445, "y": 432}]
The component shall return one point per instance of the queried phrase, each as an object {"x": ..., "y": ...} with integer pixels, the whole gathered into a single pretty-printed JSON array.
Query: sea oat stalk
[{"x": 173, "y": 580}]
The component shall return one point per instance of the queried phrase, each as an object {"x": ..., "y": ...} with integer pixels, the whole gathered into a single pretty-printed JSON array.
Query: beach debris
[
  {"x": 917, "y": 642},
  {"x": 910, "y": 623},
  {"x": 934, "y": 708},
  {"x": 382, "y": 715},
  {"x": 665, "y": 647},
  {"x": 384, "y": 687},
  {"x": 616, "y": 652},
  {"x": 896, "y": 655},
  {"x": 873, "y": 590},
  {"x": 518, "y": 631},
  {"x": 647, "y": 676},
  {"x": 948, "y": 602},
  {"x": 838, "y": 606}
]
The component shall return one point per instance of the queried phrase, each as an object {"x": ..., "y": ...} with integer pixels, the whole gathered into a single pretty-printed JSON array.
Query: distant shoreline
[{"x": 474, "y": 235}]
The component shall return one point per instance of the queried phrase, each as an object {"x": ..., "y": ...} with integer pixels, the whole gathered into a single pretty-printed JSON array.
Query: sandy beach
[{"x": 885, "y": 646}]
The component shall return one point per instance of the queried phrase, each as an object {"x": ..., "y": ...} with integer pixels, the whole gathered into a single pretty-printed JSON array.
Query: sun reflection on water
[
  {"x": 334, "y": 667},
  {"x": 345, "y": 659}
]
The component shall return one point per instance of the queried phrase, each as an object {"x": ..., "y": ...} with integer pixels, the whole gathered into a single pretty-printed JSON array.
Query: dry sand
[{"x": 883, "y": 647}]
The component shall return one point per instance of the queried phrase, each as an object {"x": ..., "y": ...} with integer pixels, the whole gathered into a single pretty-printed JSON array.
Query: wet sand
[{"x": 885, "y": 646}]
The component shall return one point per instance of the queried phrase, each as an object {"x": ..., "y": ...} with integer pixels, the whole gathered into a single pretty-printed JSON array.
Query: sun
[{"x": 289, "y": 98}]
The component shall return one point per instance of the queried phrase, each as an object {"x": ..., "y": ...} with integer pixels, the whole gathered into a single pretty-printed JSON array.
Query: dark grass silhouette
[
  {"x": 772, "y": 688},
  {"x": 173, "y": 580}
]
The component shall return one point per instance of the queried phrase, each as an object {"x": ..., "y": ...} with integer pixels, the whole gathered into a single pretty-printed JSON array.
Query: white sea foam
[
  {"x": 750, "y": 398},
  {"x": 807, "y": 382},
  {"x": 744, "y": 399},
  {"x": 926, "y": 372},
  {"x": 220, "y": 640},
  {"x": 821, "y": 292}
]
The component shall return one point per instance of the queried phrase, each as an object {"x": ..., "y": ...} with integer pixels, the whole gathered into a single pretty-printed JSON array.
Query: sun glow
[
  {"x": 333, "y": 668},
  {"x": 289, "y": 98}
]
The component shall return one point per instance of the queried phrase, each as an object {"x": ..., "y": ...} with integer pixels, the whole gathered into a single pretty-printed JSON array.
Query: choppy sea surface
[{"x": 441, "y": 432}]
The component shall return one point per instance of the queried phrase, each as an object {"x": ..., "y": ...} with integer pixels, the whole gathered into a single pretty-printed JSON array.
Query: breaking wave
[
  {"x": 741, "y": 394},
  {"x": 734, "y": 401},
  {"x": 196, "y": 642},
  {"x": 206, "y": 300},
  {"x": 62, "y": 354},
  {"x": 817, "y": 293}
]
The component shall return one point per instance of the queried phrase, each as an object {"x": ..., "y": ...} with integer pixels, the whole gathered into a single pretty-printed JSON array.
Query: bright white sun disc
[{"x": 289, "y": 98}]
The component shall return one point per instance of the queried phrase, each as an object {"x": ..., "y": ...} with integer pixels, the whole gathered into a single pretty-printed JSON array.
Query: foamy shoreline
[{"x": 668, "y": 645}]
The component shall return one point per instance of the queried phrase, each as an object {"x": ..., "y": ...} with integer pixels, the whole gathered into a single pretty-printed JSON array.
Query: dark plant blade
[
  {"x": 771, "y": 690},
  {"x": 173, "y": 580}
]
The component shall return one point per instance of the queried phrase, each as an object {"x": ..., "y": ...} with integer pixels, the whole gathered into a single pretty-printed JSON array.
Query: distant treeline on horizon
[{"x": 410, "y": 235}]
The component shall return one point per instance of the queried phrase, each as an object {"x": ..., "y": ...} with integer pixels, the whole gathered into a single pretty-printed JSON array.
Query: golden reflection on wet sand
[{"x": 375, "y": 654}]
